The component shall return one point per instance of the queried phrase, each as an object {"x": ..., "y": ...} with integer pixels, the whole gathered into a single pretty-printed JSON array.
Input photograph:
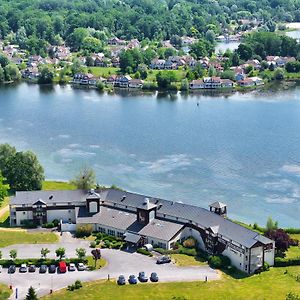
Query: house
[
  {"x": 31, "y": 73},
  {"x": 122, "y": 81},
  {"x": 136, "y": 83},
  {"x": 226, "y": 83},
  {"x": 116, "y": 41},
  {"x": 257, "y": 80},
  {"x": 140, "y": 220},
  {"x": 212, "y": 82},
  {"x": 85, "y": 79},
  {"x": 115, "y": 62},
  {"x": 111, "y": 79},
  {"x": 246, "y": 82},
  {"x": 197, "y": 84},
  {"x": 254, "y": 63},
  {"x": 133, "y": 44},
  {"x": 62, "y": 52},
  {"x": 158, "y": 64}
]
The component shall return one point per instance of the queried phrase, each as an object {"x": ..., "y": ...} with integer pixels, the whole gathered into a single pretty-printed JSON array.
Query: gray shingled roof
[
  {"x": 57, "y": 197},
  {"x": 107, "y": 216},
  {"x": 160, "y": 229}
]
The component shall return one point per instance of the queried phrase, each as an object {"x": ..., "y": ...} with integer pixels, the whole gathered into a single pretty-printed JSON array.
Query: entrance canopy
[{"x": 132, "y": 238}]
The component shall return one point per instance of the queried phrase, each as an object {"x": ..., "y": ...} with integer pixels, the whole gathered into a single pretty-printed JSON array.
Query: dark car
[
  {"x": 43, "y": 269},
  {"x": 11, "y": 269},
  {"x": 163, "y": 259},
  {"x": 121, "y": 280},
  {"x": 154, "y": 277},
  {"x": 52, "y": 269},
  {"x": 31, "y": 268},
  {"x": 23, "y": 268},
  {"x": 132, "y": 279},
  {"x": 142, "y": 277}
]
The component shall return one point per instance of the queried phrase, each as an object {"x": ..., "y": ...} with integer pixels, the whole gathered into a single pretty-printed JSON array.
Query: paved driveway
[{"x": 118, "y": 262}]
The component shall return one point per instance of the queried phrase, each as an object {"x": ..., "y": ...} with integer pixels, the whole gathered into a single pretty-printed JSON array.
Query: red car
[{"x": 62, "y": 267}]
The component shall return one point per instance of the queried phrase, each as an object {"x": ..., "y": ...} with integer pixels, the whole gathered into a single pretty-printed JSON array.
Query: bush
[
  {"x": 93, "y": 244},
  {"x": 160, "y": 250},
  {"x": 292, "y": 230},
  {"x": 283, "y": 262},
  {"x": 48, "y": 225},
  {"x": 84, "y": 230},
  {"x": 219, "y": 261},
  {"x": 266, "y": 266},
  {"x": 144, "y": 252},
  {"x": 190, "y": 242},
  {"x": 77, "y": 285},
  {"x": 149, "y": 86},
  {"x": 55, "y": 222},
  {"x": 28, "y": 224}
]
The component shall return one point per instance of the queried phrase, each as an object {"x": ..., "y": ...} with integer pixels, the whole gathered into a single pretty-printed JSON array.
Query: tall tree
[
  {"x": 3, "y": 188},
  {"x": 85, "y": 179},
  {"x": 31, "y": 295}
]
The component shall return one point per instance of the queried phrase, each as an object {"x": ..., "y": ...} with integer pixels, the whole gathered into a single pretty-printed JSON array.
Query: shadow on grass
[
  {"x": 234, "y": 273},
  {"x": 5, "y": 223}
]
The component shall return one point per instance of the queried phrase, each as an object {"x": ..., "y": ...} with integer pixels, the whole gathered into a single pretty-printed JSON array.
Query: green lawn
[
  {"x": 274, "y": 284},
  {"x": 152, "y": 74},
  {"x": 102, "y": 71},
  {"x": 100, "y": 262},
  {"x": 19, "y": 236},
  {"x": 4, "y": 292},
  {"x": 183, "y": 260},
  {"x": 57, "y": 185},
  {"x": 293, "y": 252},
  {"x": 4, "y": 202}
]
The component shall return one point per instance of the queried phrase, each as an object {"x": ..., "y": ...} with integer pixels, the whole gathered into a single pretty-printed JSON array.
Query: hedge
[
  {"x": 38, "y": 261},
  {"x": 144, "y": 251},
  {"x": 284, "y": 262},
  {"x": 219, "y": 261}
]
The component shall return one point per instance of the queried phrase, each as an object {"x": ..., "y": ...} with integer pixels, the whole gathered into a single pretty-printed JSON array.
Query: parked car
[
  {"x": 52, "y": 269},
  {"x": 80, "y": 267},
  {"x": 121, "y": 280},
  {"x": 154, "y": 277},
  {"x": 31, "y": 268},
  {"x": 11, "y": 269},
  {"x": 23, "y": 268},
  {"x": 62, "y": 267},
  {"x": 132, "y": 279},
  {"x": 71, "y": 267},
  {"x": 43, "y": 269},
  {"x": 142, "y": 277},
  {"x": 163, "y": 259}
]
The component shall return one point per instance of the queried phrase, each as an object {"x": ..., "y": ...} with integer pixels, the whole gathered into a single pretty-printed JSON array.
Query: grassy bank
[
  {"x": 274, "y": 284},
  {"x": 183, "y": 260},
  {"x": 57, "y": 185}
]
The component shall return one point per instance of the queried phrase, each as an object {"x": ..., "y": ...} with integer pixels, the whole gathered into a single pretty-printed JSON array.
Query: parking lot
[{"x": 118, "y": 262}]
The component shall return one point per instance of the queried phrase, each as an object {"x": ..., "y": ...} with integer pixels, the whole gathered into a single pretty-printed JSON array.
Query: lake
[{"x": 243, "y": 149}]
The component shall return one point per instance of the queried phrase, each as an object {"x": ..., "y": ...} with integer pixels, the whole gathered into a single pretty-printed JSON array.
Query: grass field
[
  {"x": 103, "y": 72},
  {"x": 20, "y": 236},
  {"x": 183, "y": 260},
  {"x": 100, "y": 262},
  {"x": 57, "y": 185},
  {"x": 274, "y": 284},
  {"x": 4, "y": 292}
]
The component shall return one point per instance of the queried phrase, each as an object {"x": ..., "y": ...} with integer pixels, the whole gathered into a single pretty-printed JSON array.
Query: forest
[{"x": 33, "y": 24}]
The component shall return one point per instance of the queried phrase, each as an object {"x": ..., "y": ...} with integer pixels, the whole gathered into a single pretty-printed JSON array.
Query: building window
[
  {"x": 246, "y": 267},
  {"x": 161, "y": 245},
  {"x": 23, "y": 205},
  {"x": 102, "y": 230},
  {"x": 111, "y": 232},
  {"x": 54, "y": 204},
  {"x": 120, "y": 234}
]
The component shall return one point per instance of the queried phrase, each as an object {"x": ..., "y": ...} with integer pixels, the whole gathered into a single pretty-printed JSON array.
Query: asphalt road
[{"x": 118, "y": 262}]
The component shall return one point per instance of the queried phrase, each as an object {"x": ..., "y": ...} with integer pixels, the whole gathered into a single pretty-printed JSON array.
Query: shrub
[
  {"x": 219, "y": 261},
  {"x": 84, "y": 230},
  {"x": 55, "y": 222},
  {"x": 93, "y": 244},
  {"x": 160, "y": 250},
  {"x": 28, "y": 224},
  {"x": 48, "y": 225},
  {"x": 266, "y": 266},
  {"x": 144, "y": 252},
  {"x": 283, "y": 262},
  {"x": 190, "y": 243},
  {"x": 78, "y": 284}
]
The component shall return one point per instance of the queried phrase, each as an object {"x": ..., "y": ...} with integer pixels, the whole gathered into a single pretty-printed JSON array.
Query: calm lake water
[{"x": 243, "y": 150}]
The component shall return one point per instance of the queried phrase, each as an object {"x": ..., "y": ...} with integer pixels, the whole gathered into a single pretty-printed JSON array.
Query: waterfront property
[{"x": 142, "y": 220}]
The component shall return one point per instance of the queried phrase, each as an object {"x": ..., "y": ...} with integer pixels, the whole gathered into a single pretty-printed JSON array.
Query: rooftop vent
[
  {"x": 123, "y": 198},
  {"x": 156, "y": 201},
  {"x": 146, "y": 201},
  {"x": 92, "y": 191},
  {"x": 51, "y": 197}
]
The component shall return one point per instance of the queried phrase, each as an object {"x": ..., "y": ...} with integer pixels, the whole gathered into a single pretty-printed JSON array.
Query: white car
[
  {"x": 72, "y": 267},
  {"x": 80, "y": 267}
]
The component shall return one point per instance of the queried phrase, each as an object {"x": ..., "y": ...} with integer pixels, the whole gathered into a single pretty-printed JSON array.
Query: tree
[
  {"x": 45, "y": 252},
  {"x": 0, "y": 254},
  {"x": 31, "y": 295},
  {"x": 60, "y": 252},
  {"x": 85, "y": 180},
  {"x": 3, "y": 188},
  {"x": 12, "y": 73},
  {"x": 4, "y": 61},
  {"x": 235, "y": 59},
  {"x": 46, "y": 75},
  {"x": 176, "y": 41},
  {"x": 2, "y": 75},
  {"x": 281, "y": 238},
  {"x": 201, "y": 48},
  {"x": 244, "y": 51},
  {"x": 81, "y": 253},
  {"x": 76, "y": 66},
  {"x": 96, "y": 255},
  {"x": 210, "y": 35},
  {"x": 13, "y": 254},
  {"x": 279, "y": 74},
  {"x": 292, "y": 296},
  {"x": 228, "y": 74},
  {"x": 165, "y": 78},
  {"x": 271, "y": 225},
  {"x": 23, "y": 172},
  {"x": 91, "y": 44},
  {"x": 76, "y": 39}
]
